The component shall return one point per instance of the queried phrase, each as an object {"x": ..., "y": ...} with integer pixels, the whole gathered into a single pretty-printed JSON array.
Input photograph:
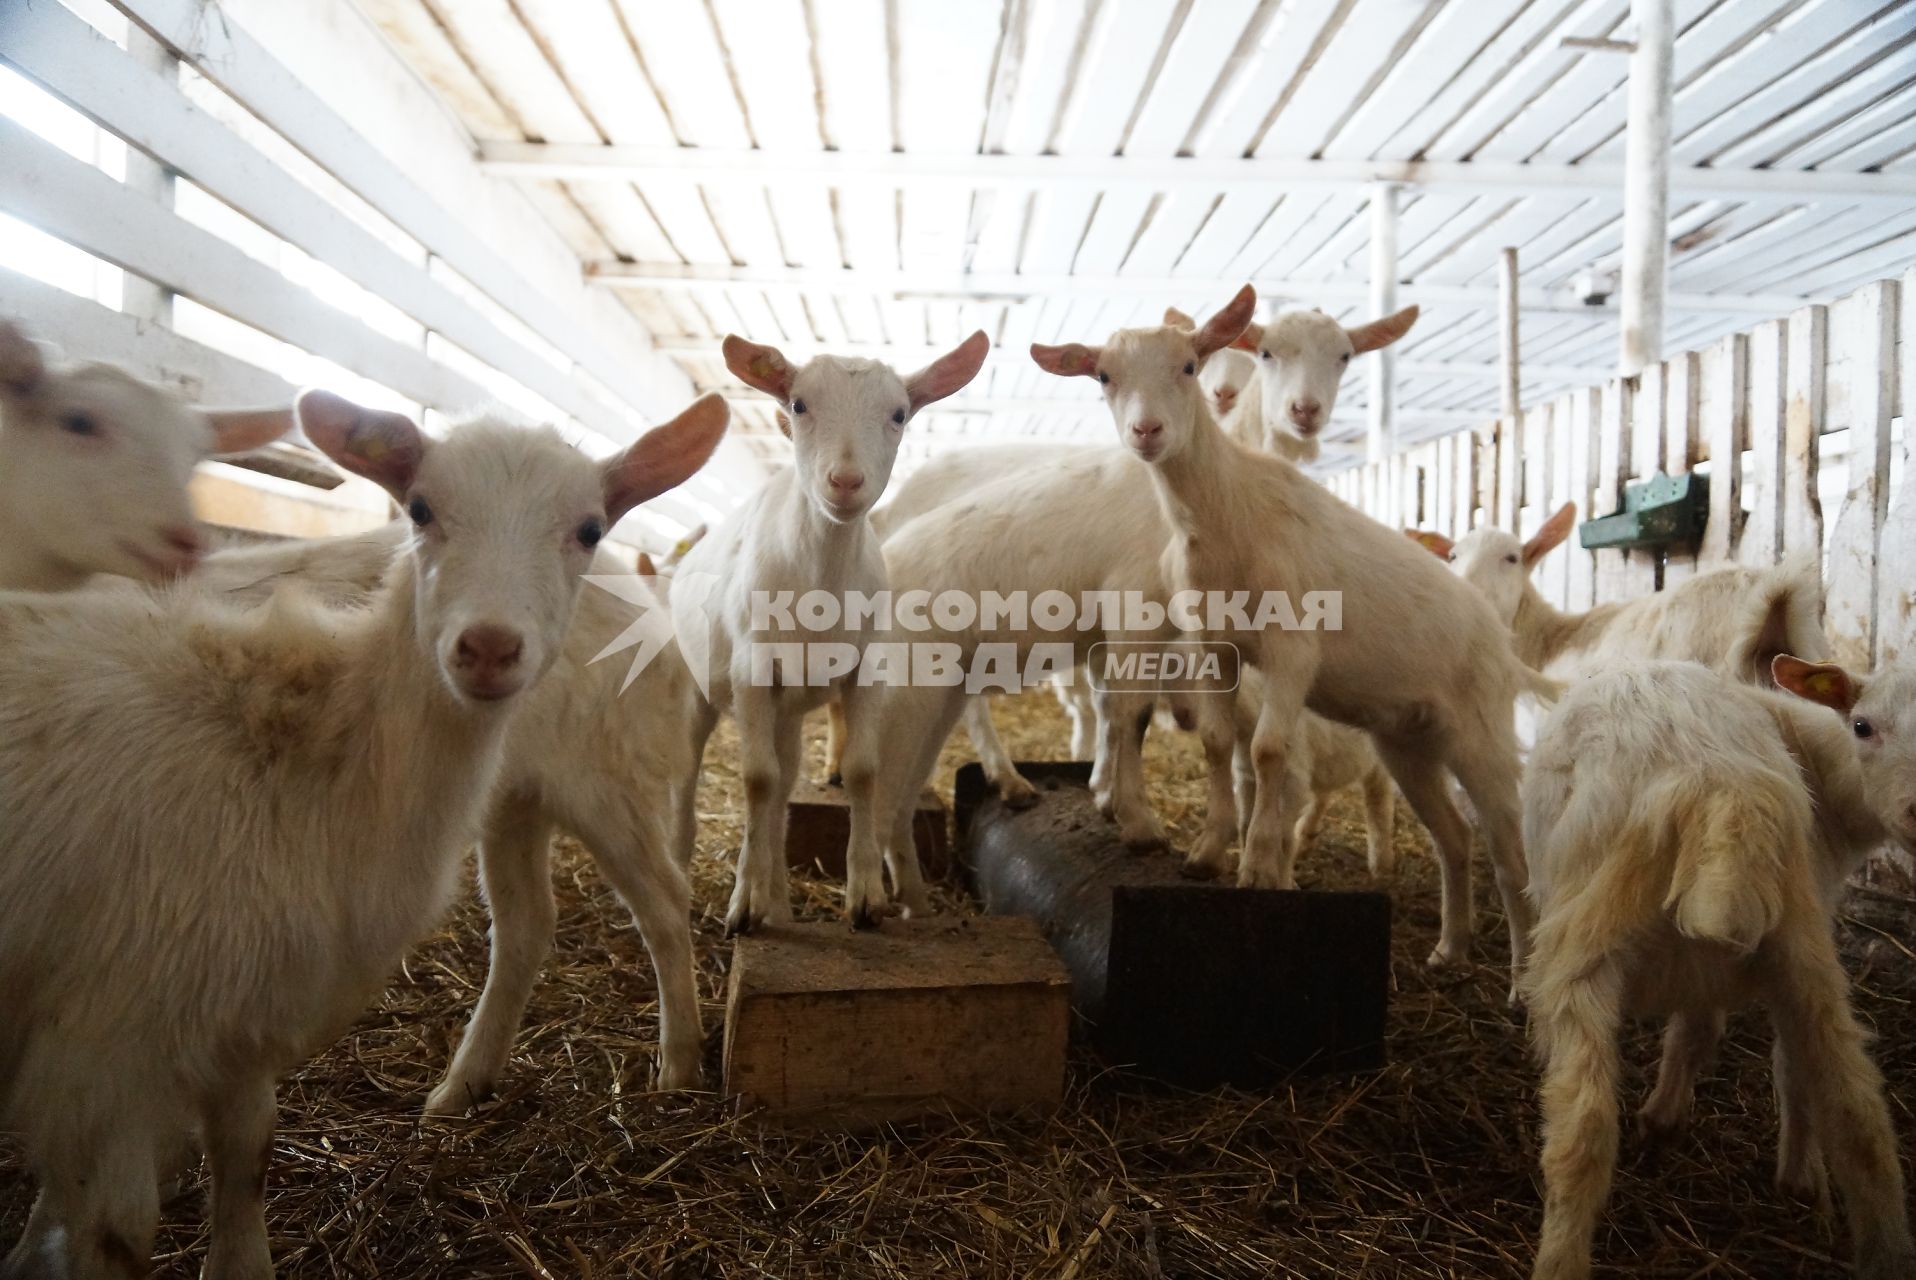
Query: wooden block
[
  {"x": 818, "y": 824},
  {"x": 833, "y": 1025},
  {"x": 1196, "y": 985}
]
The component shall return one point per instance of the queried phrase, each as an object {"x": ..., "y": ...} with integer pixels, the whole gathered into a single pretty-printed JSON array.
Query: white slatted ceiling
[{"x": 1827, "y": 84}]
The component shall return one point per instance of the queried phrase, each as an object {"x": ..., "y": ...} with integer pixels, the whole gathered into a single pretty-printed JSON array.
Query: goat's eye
[
  {"x": 798, "y": 406},
  {"x": 1451, "y": 557},
  {"x": 1862, "y": 728},
  {"x": 1510, "y": 559},
  {"x": 589, "y": 534},
  {"x": 1344, "y": 359},
  {"x": 1264, "y": 355},
  {"x": 79, "y": 424},
  {"x": 1104, "y": 378},
  {"x": 420, "y": 512},
  {"x": 1190, "y": 367},
  {"x": 898, "y": 416}
]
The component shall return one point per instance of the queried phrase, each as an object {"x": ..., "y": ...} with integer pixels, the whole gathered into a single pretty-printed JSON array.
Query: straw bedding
[{"x": 1426, "y": 1168}]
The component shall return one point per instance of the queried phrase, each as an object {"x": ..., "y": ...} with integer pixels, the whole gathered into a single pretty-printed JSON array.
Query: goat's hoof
[
  {"x": 1020, "y": 797},
  {"x": 869, "y": 915},
  {"x": 678, "y": 1071},
  {"x": 1200, "y": 869},
  {"x": 455, "y": 1097},
  {"x": 1657, "y": 1125},
  {"x": 917, "y": 906},
  {"x": 1444, "y": 957}
]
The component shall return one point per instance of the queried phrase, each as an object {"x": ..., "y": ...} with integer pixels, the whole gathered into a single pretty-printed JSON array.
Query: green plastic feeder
[{"x": 1656, "y": 513}]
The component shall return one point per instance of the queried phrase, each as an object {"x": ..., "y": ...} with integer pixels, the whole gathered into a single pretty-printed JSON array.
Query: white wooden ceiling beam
[
  {"x": 1094, "y": 405},
  {"x": 907, "y": 356},
  {"x": 935, "y": 286},
  {"x": 719, "y": 166}
]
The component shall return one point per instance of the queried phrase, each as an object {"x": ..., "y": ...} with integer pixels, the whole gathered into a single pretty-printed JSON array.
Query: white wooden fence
[
  {"x": 274, "y": 152},
  {"x": 1810, "y": 408}
]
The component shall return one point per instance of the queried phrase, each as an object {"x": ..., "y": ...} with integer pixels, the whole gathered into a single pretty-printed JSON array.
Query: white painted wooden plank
[
  {"x": 1553, "y": 575},
  {"x": 1864, "y": 329},
  {"x": 1726, "y": 427},
  {"x": 1614, "y": 454},
  {"x": 1453, "y": 35},
  {"x": 1803, "y": 424},
  {"x": 571, "y": 318},
  {"x": 1761, "y": 141},
  {"x": 1341, "y": 74},
  {"x": 1682, "y": 392},
  {"x": 1896, "y": 566},
  {"x": 1762, "y": 541},
  {"x": 1586, "y": 411},
  {"x": 88, "y": 209},
  {"x": 1444, "y": 487},
  {"x": 70, "y": 58},
  {"x": 1844, "y": 146},
  {"x": 856, "y": 75},
  {"x": 85, "y": 330}
]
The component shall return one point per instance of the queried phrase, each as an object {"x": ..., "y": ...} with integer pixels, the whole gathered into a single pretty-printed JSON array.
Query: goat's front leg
[
  {"x": 1000, "y": 770},
  {"x": 1210, "y": 857},
  {"x": 239, "y": 1144},
  {"x": 865, "y": 899},
  {"x": 1124, "y": 718},
  {"x": 764, "y": 724},
  {"x": 1270, "y": 849}
]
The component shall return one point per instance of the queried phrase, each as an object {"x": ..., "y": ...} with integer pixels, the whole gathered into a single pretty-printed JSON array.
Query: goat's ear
[
  {"x": 1251, "y": 339},
  {"x": 950, "y": 372},
  {"x": 760, "y": 366},
  {"x": 243, "y": 430},
  {"x": 1432, "y": 541},
  {"x": 22, "y": 367},
  {"x": 1228, "y": 325},
  {"x": 665, "y": 457},
  {"x": 1383, "y": 332},
  {"x": 1821, "y": 682},
  {"x": 646, "y": 568},
  {"x": 1553, "y": 532},
  {"x": 1177, "y": 319},
  {"x": 1072, "y": 360},
  {"x": 784, "y": 423},
  {"x": 383, "y": 446}
]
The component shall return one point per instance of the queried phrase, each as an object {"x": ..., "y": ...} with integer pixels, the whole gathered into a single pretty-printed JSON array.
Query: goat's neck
[
  {"x": 1196, "y": 484},
  {"x": 1543, "y": 633},
  {"x": 427, "y": 754},
  {"x": 838, "y": 545},
  {"x": 1847, "y": 828}
]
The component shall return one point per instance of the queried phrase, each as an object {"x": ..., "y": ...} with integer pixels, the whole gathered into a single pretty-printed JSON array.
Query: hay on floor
[{"x": 1426, "y": 1168}]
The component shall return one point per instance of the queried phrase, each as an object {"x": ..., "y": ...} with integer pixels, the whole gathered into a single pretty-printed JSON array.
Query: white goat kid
[
  {"x": 1299, "y": 360},
  {"x": 805, "y": 531},
  {"x": 1690, "y": 836},
  {"x": 94, "y": 439},
  {"x": 1420, "y": 661},
  {"x": 586, "y": 754},
  {"x": 293, "y": 788},
  {"x": 1733, "y": 620}
]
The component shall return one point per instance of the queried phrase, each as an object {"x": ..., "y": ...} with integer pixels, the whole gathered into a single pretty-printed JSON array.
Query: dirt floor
[{"x": 1426, "y": 1168}]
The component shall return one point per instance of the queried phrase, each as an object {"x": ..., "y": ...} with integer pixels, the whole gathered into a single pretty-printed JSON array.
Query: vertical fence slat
[
  {"x": 1896, "y": 567},
  {"x": 1613, "y": 464},
  {"x": 1762, "y": 540},
  {"x": 1726, "y": 430},
  {"x": 1509, "y": 437},
  {"x": 1647, "y": 420},
  {"x": 1471, "y": 457},
  {"x": 1443, "y": 485},
  {"x": 1869, "y": 351},
  {"x": 1586, "y": 411},
  {"x": 1682, "y": 390},
  {"x": 1807, "y": 385},
  {"x": 1554, "y": 573}
]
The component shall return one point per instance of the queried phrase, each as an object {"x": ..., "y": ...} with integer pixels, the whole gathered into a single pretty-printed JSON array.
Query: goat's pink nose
[
  {"x": 1147, "y": 431},
  {"x": 847, "y": 482},
  {"x": 1305, "y": 410},
  {"x": 487, "y": 647}
]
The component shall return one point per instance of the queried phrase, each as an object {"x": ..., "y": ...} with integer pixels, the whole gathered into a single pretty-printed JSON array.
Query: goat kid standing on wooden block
[
  {"x": 1420, "y": 661},
  {"x": 805, "y": 531}
]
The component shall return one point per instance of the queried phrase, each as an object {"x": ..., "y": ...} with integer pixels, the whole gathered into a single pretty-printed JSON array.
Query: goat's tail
[
  {"x": 1727, "y": 883},
  {"x": 1783, "y": 614}
]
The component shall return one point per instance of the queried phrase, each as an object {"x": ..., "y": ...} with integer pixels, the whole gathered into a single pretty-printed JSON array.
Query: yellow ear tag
[
  {"x": 765, "y": 366},
  {"x": 1822, "y": 683}
]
